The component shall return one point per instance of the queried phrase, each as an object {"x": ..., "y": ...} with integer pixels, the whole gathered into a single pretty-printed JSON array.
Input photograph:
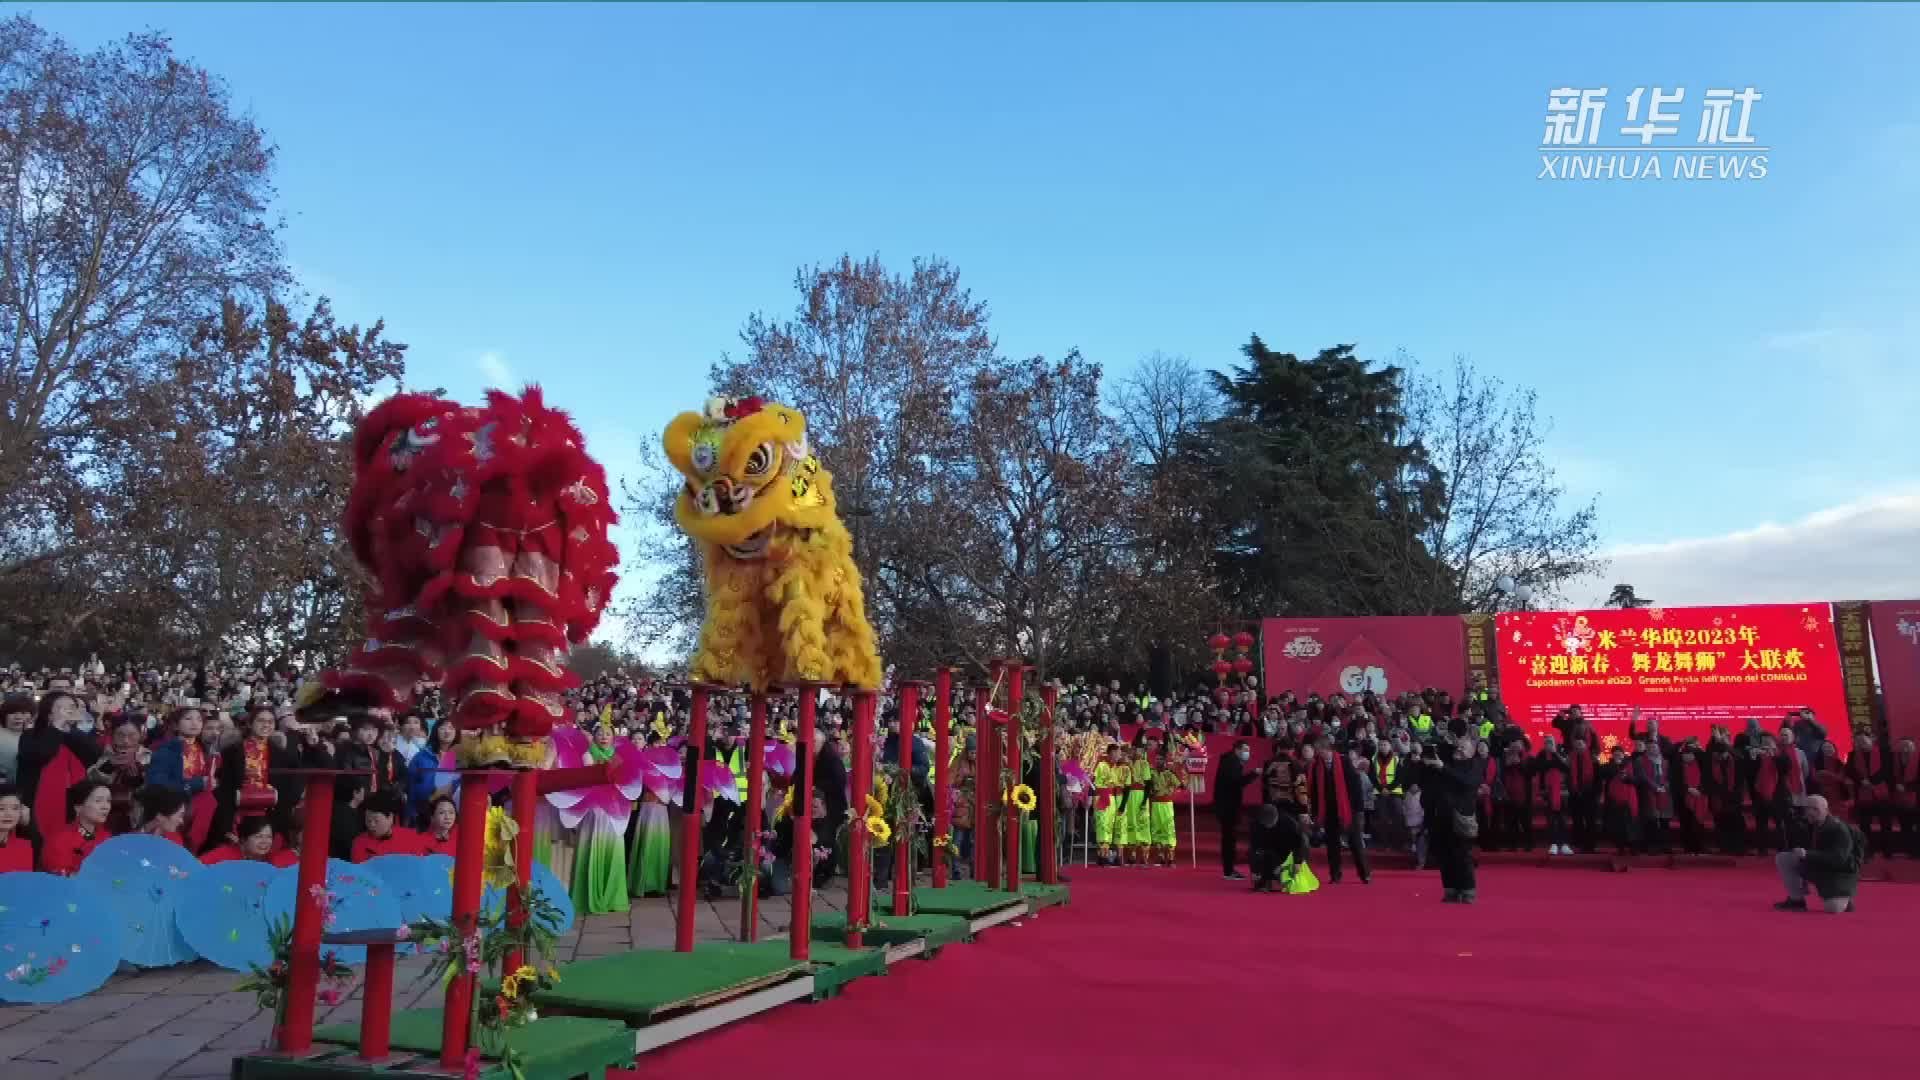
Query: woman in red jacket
[
  {"x": 89, "y": 803},
  {"x": 16, "y": 839},
  {"x": 442, "y": 815},
  {"x": 257, "y": 842}
]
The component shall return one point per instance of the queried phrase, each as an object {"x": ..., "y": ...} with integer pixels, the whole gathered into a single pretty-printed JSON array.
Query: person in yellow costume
[
  {"x": 1137, "y": 828},
  {"x": 1167, "y": 779},
  {"x": 1109, "y": 778}
]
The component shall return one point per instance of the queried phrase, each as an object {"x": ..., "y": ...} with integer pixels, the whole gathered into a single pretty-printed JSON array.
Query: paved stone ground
[{"x": 188, "y": 1022}]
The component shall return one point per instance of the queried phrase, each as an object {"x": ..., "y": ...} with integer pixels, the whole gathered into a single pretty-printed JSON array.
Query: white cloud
[
  {"x": 1862, "y": 550},
  {"x": 498, "y": 375}
]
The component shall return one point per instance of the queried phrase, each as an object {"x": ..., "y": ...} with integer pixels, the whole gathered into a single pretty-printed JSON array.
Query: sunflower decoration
[
  {"x": 944, "y": 841},
  {"x": 874, "y": 808},
  {"x": 878, "y": 828},
  {"x": 1023, "y": 799},
  {"x": 502, "y": 830}
]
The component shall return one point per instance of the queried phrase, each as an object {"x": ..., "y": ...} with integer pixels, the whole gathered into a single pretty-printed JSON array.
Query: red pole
[
  {"x": 303, "y": 961},
  {"x": 986, "y": 773},
  {"x": 800, "y": 933},
  {"x": 942, "y": 781},
  {"x": 526, "y": 787},
  {"x": 859, "y": 868},
  {"x": 903, "y": 841},
  {"x": 1049, "y": 864},
  {"x": 1016, "y": 675},
  {"x": 756, "y": 818},
  {"x": 687, "y": 912},
  {"x": 470, "y": 856},
  {"x": 376, "y": 1005}
]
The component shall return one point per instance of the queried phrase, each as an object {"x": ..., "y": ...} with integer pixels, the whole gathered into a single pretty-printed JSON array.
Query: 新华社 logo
[{"x": 1301, "y": 648}]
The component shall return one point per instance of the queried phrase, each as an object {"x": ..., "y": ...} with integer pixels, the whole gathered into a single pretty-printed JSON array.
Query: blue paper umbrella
[
  {"x": 422, "y": 885},
  {"x": 224, "y": 914},
  {"x": 356, "y": 898},
  {"x": 143, "y": 878},
  {"x": 59, "y": 939},
  {"x": 545, "y": 882}
]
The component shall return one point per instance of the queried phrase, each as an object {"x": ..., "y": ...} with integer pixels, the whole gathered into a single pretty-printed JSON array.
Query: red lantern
[
  {"x": 1242, "y": 666},
  {"x": 1243, "y": 641},
  {"x": 1219, "y": 642},
  {"x": 1221, "y": 668}
]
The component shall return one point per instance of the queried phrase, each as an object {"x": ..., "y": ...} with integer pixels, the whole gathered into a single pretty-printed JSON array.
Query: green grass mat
[
  {"x": 962, "y": 898},
  {"x": 1044, "y": 895},
  {"x": 937, "y": 930},
  {"x": 551, "y": 1048},
  {"x": 835, "y": 967},
  {"x": 638, "y": 986}
]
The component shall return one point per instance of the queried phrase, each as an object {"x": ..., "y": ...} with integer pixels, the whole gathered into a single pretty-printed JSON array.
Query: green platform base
[
  {"x": 640, "y": 987},
  {"x": 937, "y": 931},
  {"x": 835, "y": 966},
  {"x": 550, "y": 1048},
  {"x": 967, "y": 898},
  {"x": 1041, "y": 896}
]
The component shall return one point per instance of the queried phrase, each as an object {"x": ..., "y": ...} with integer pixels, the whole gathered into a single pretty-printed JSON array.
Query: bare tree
[
  {"x": 877, "y": 362},
  {"x": 1503, "y": 512},
  {"x": 1161, "y": 402},
  {"x": 132, "y": 201}
]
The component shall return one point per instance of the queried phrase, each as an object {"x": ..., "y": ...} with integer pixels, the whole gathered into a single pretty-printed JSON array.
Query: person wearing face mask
[
  {"x": 1334, "y": 791},
  {"x": 1448, "y": 793},
  {"x": 1230, "y": 782}
]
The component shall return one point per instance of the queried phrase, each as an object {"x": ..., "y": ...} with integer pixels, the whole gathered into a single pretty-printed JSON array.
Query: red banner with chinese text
[
  {"x": 1691, "y": 667},
  {"x": 1896, "y": 652},
  {"x": 1386, "y": 654}
]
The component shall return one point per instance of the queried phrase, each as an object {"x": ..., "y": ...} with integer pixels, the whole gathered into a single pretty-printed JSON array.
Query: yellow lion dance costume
[{"x": 783, "y": 593}]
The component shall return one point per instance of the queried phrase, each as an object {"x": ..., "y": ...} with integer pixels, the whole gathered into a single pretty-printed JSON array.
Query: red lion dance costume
[{"x": 486, "y": 531}]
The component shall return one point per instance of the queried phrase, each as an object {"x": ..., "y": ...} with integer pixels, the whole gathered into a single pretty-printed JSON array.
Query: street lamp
[{"x": 1516, "y": 594}]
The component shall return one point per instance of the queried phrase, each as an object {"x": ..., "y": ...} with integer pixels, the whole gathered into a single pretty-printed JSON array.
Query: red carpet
[{"x": 1176, "y": 974}]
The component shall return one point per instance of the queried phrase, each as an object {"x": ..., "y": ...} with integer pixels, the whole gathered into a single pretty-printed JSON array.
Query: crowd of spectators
[{"x": 202, "y": 754}]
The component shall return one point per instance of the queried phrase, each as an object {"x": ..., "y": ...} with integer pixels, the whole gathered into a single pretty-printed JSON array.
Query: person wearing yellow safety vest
[
  {"x": 726, "y": 816},
  {"x": 1388, "y": 792},
  {"x": 1110, "y": 779}
]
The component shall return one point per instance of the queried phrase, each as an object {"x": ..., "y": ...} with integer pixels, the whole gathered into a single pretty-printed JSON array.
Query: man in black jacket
[
  {"x": 1831, "y": 865},
  {"x": 830, "y": 789},
  {"x": 1229, "y": 786}
]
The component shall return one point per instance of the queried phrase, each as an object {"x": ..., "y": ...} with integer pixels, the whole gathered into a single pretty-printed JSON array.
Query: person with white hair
[{"x": 1831, "y": 864}]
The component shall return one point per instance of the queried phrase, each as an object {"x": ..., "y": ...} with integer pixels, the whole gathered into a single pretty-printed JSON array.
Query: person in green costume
[
  {"x": 1167, "y": 779},
  {"x": 1138, "y": 828},
  {"x": 600, "y": 871},
  {"x": 650, "y": 854},
  {"x": 1109, "y": 778}
]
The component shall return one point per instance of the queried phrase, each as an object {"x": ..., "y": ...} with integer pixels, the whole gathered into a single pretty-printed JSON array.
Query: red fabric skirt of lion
[{"x": 486, "y": 532}]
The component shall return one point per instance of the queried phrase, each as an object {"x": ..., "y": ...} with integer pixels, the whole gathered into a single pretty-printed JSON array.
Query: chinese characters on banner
[
  {"x": 1480, "y": 672},
  {"x": 1691, "y": 667},
  {"x": 1856, "y": 665},
  {"x": 1652, "y": 139},
  {"x": 1896, "y": 648}
]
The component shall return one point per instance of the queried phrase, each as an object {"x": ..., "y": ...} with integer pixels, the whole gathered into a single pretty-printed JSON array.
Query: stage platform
[
  {"x": 969, "y": 898},
  {"x": 646, "y": 986},
  {"x": 550, "y": 1048},
  {"x": 935, "y": 930},
  {"x": 1043, "y": 896}
]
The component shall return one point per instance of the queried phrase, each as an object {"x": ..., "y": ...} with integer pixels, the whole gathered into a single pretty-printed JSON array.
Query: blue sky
[{"x": 597, "y": 197}]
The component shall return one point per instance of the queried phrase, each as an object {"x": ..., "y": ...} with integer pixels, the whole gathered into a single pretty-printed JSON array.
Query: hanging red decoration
[
  {"x": 1219, "y": 642},
  {"x": 1221, "y": 668},
  {"x": 1242, "y": 666},
  {"x": 1243, "y": 641}
]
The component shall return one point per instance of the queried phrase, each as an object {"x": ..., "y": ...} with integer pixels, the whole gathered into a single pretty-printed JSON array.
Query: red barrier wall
[
  {"x": 1896, "y": 652},
  {"x": 1385, "y": 654}
]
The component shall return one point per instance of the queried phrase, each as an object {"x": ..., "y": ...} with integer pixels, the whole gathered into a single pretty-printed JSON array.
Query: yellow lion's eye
[{"x": 760, "y": 462}]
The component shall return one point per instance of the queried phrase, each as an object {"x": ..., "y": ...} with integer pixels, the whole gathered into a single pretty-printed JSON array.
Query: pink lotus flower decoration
[{"x": 780, "y": 760}]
